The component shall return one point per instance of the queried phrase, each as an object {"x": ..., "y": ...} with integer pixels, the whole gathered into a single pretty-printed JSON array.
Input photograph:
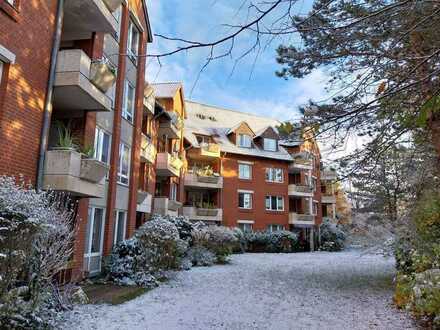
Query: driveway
[{"x": 319, "y": 290}]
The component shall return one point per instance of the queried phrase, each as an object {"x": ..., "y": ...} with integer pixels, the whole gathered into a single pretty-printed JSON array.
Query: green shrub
[
  {"x": 218, "y": 239},
  {"x": 332, "y": 236},
  {"x": 281, "y": 241}
]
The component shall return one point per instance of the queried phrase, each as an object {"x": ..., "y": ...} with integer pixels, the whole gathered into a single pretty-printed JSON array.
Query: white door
[{"x": 94, "y": 240}]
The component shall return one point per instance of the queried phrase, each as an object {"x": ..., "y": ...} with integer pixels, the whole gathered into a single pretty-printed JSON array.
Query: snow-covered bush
[
  {"x": 241, "y": 245},
  {"x": 36, "y": 236},
  {"x": 183, "y": 225},
  {"x": 332, "y": 236},
  {"x": 218, "y": 239},
  {"x": 281, "y": 241},
  {"x": 200, "y": 256},
  {"x": 142, "y": 259}
]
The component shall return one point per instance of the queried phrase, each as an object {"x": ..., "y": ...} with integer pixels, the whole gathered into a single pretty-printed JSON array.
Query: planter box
[
  {"x": 207, "y": 212},
  {"x": 174, "y": 205},
  {"x": 93, "y": 170},
  {"x": 102, "y": 76},
  {"x": 112, "y": 5}
]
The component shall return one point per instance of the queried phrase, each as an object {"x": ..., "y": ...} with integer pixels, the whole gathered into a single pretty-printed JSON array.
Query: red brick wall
[
  {"x": 261, "y": 188},
  {"x": 29, "y": 37}
]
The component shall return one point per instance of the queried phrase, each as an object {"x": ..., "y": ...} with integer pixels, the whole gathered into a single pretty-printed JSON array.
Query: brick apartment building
[{"x": 77, "y": 116}]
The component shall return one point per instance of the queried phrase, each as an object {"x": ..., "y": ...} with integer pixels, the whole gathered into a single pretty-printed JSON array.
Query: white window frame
[
  {"x": 246, "y": 227},
  {"x": 244, "y": 141},
  {"x": 267, "y": 144},
  {"x": 279, "y": 203},
  {"x": 117, "y": 219},
  {"x": 91, "y": 218},
  {"x": 275, "y": 175},
  {"x": 315, "y": 208},
  {"x": 274, "y": 227},
  {"x": 128, "y": 114},
  {"x": 121, "y": 176},
  {"x": 245, "y": 202},
  {"x": 173, "y": 191},
  {"x": 99, "y": 151},
  {"x": 242, "y": 174},
  {"x": 133, "y": 54}
]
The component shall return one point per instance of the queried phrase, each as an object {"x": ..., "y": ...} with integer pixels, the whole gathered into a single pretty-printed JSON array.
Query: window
[
  {"x": 173, "y": 192},
  {"x": 124, "y": 163},
  {"x": 274, "y": 175},
  {"x": 275, "y": 203},
  {"x": 244, "y": 171},
  {"x": 119, "y": 226},
  {"x": 244, "y": 141},
  {"x": 244, "y": 200},
  {"x": 315, "y": 208},
  {"x": 94, "y": 239},
  {"x": 245, "y": 227},
  {"x": 133, "y": 42},
  {"x": 314, "y": 183},
  {"x": 128, "y": 103},
  {"x": 270, "y": 144},
  {"x": 102, "y": 145},
  {"x": 272, "y": 228}
]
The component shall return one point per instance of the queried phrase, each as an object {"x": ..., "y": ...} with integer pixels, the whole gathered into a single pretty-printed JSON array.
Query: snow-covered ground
[{"x": 263, "y": 291}]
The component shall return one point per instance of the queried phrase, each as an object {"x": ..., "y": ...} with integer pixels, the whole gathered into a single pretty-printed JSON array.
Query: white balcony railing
[
  {"x": 168, "y": 165},
  {"x": 203, "y": 214},
  {"x": 148, "y": 150},
  {"x": 300, "y": 190},
  {"x": 301, "y": 219},
  {"x": 194, "y": 180}
]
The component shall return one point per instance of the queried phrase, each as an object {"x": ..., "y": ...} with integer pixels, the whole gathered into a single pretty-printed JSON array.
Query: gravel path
[{"x": 263, "y": 291}]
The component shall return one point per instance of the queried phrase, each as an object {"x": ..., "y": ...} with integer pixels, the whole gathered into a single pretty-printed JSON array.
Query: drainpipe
[{"x": 47, "y": 111}]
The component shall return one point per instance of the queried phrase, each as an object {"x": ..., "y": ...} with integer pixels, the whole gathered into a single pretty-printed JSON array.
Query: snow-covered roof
[
  {"x": 217, "y": 122},
  {"x": 166, "y": 90}
]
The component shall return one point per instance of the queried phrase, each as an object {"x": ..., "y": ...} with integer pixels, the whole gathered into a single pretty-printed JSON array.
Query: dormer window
[
  {"x": 203, "y": 139},
  {"x": 244, "y": 141},
  {"x": 270, "y": 144}
]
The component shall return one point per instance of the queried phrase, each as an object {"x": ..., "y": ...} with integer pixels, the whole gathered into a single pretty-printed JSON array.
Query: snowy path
[{"x": 263, "y": 291}]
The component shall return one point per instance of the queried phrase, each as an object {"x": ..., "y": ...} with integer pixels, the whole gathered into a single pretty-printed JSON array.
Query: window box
[
  {"x": 93, "y": 170},
  {"x": 102, "y": 75}
]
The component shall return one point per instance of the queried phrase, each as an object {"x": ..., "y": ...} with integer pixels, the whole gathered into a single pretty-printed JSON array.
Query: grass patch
[{"x": 112, "y": 294}]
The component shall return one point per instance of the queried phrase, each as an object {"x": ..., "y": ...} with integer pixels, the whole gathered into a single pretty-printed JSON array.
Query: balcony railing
[
  {"x": 328, "y": 175},
  {"x": 166, "y": 206},
  {"x": 297, "y": 218},
  {"x": 300, "y": 190},
  {"x": 301, "y": 161},
  {"x": 68, "y": 171},
  {"x": 328, "y": 199},
  {"x": 203, "y": 214},
  {"x": 78, "y": 83},
  {"x": 210, "y": 150},
  {"x": 144, "y": 202},
  {"x": 194, "y": 180},
  {"x": 168, "y": 165},
  {"x": 84, "y": 17},
  {"x": 148, "y": 150},
  {"x": 171, "y": 128}
]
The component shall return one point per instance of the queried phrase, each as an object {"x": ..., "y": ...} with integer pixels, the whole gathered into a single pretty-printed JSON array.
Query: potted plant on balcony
[
  {"x": 207, "y": 175},
  {"x": 102, "y": 74}
]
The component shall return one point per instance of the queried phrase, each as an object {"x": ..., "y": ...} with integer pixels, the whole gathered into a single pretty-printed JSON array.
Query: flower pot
[{"x": 102, "y": 76}]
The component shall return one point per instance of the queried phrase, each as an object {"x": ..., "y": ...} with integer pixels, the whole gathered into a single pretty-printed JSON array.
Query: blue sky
[{"x": 249, "y": 88}]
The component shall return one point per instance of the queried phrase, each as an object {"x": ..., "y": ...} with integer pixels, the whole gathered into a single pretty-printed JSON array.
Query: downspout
[{"x": 47, "y": 111}]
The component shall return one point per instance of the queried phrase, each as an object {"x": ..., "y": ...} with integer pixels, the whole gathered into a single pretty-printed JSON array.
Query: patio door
[{"x": 94, "y": 240}]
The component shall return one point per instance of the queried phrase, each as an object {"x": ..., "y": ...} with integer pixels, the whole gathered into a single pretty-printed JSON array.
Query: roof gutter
[{"x": 47, "y": 110}]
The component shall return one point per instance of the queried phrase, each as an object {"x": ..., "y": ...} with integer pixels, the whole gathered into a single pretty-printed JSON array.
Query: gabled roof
[
  {"x": 233, "y": 129},
  {"x": 218, "y": 123},
  {"x": 264, "y": 130}
]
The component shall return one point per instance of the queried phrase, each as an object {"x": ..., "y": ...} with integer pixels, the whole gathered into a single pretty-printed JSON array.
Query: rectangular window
[
  {"x": 245, "y": 200},
  {"x": 244, "y": 171},
  {"x": 173, "y": 192},
  {"x": 244, "y": 141},
  {"x": 119, "y": 226},
  {"x": 128, "y": 102},
  {"x": 124, "y": 164},
  {"x": 274, "y": 175},
  {"x": 270, "y": 144},
  {"x": 315, "y": 208},
  {"x": 245, "y": 227},
  {"x": 95, "y": 230},
  {"x": 133, "y": 42},
  {"x": 275, "y": 203},
  {"x": 272, "y": 228},
  {"x": 102, "y": 145}
]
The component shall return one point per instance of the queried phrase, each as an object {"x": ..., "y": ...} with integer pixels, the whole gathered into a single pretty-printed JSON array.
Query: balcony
[
  {"x": 328, "y": 175},
  {"x": 166, "y": 206},
  {"x": 148, "y": 150},
  {"x": 170, "y": 128},
  {"x": 301, "y": 162},
  {"x": 300, "y": 190},
  {"x": 78, "y": 83},
  {"x": 328, "y": 199},
  {"x": 168, "y": 165},
  {"x": 199, "y": 181},
  {"x": 201, "y": 214},
  {"x": 83, "y": 17},
  {"x": 66, "y": 170},
  {"x": 304, "y": 220},
  {"x": 144, "y": 202},
  {"x": 210, "y": 150}
]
